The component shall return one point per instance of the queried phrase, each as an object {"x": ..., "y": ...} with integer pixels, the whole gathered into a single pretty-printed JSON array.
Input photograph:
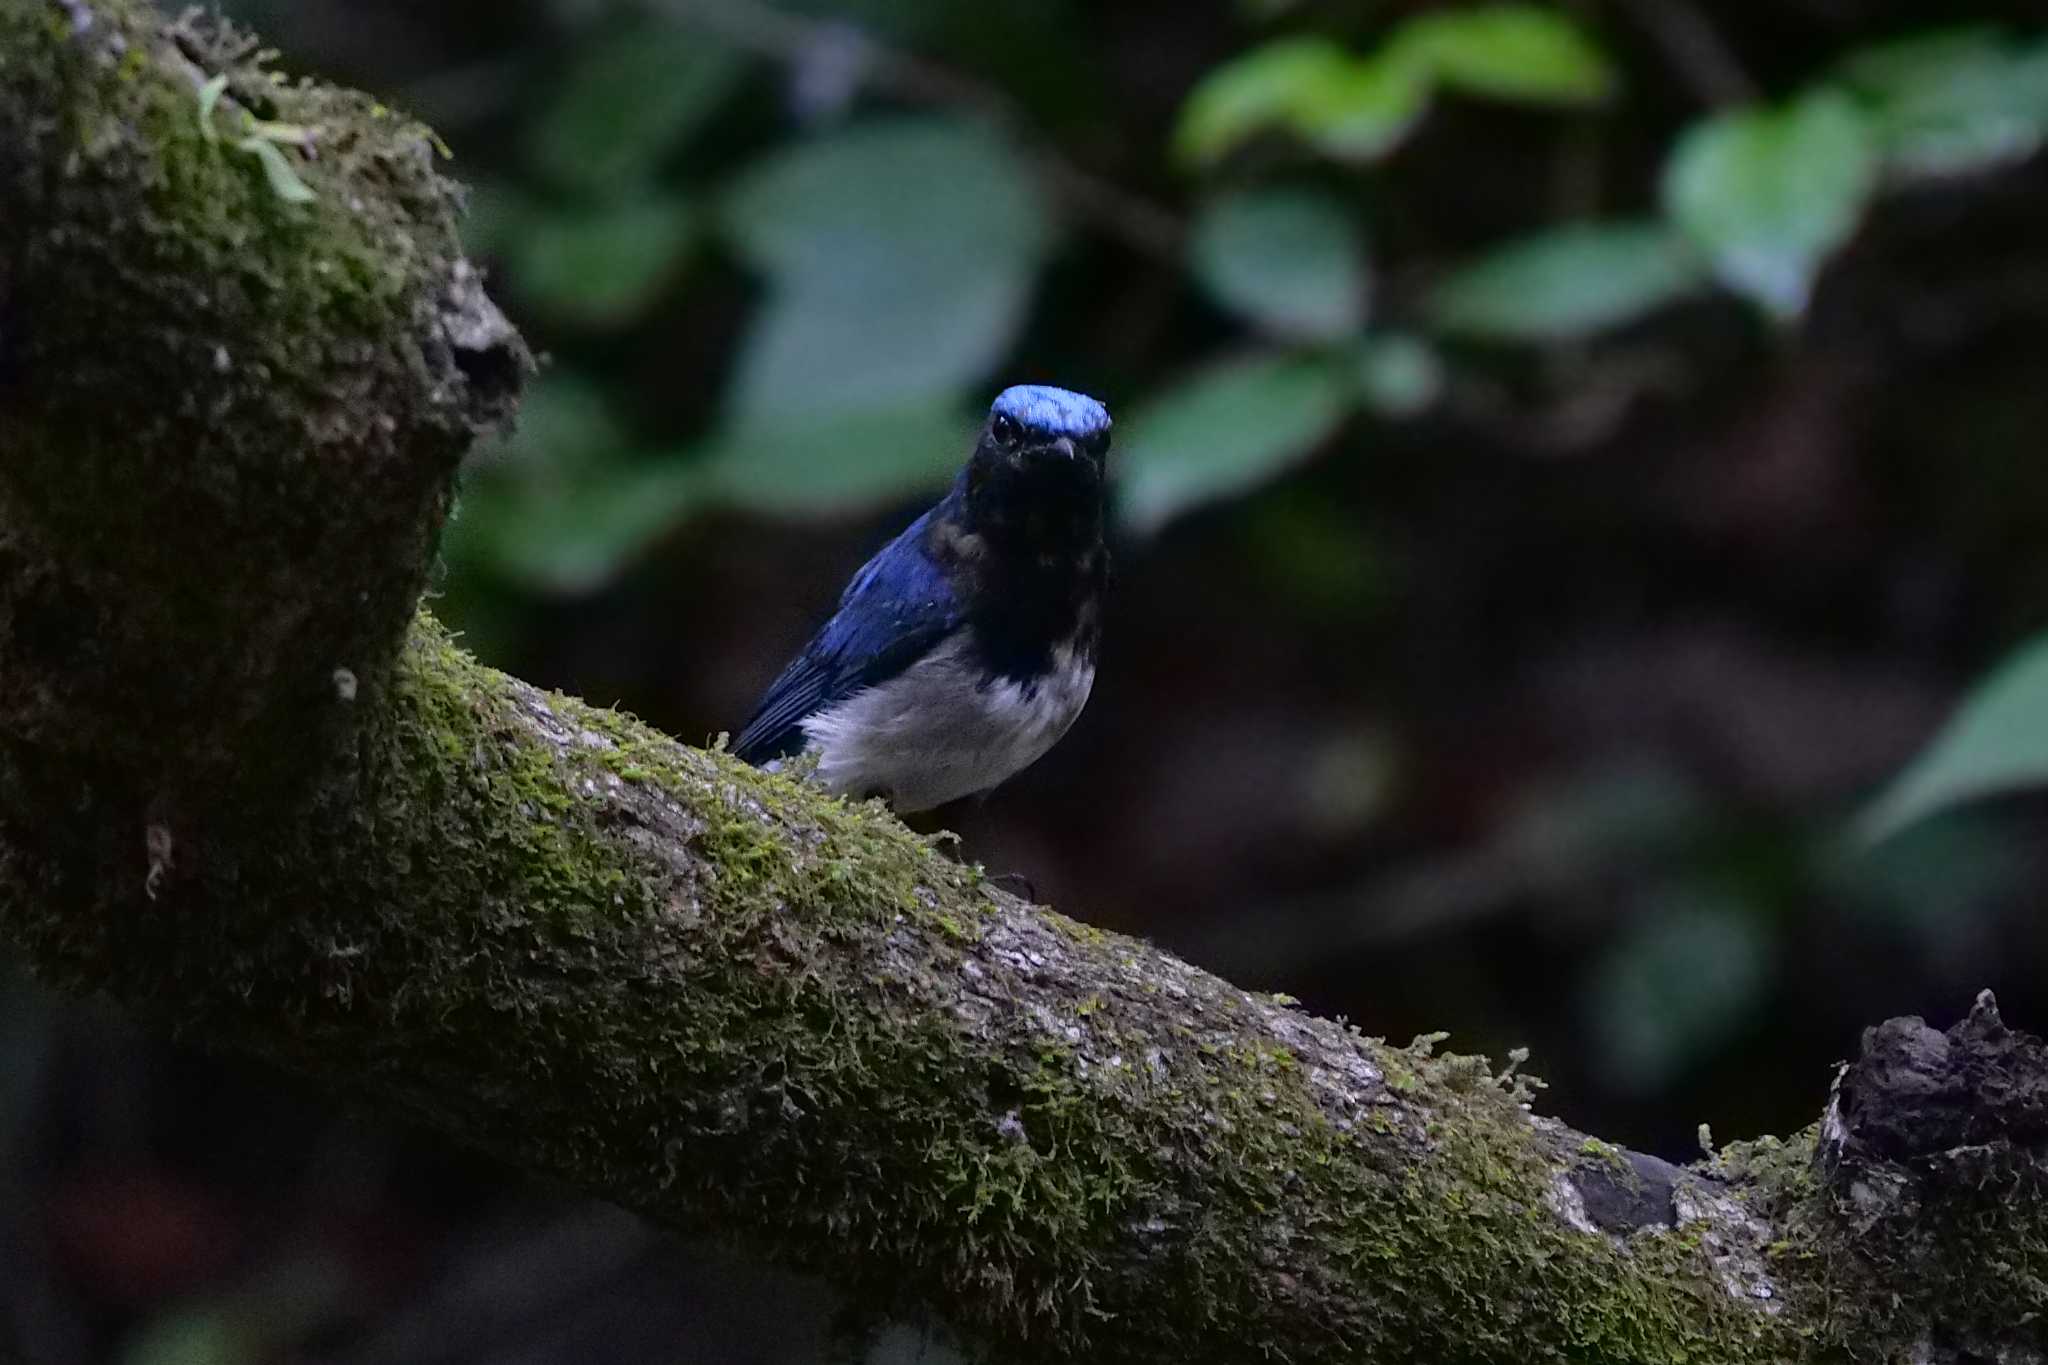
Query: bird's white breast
[{"x": 942, "y": 729}]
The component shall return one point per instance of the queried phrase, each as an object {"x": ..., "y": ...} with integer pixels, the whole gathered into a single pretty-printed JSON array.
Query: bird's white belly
[{"x": 938, "y": 731}]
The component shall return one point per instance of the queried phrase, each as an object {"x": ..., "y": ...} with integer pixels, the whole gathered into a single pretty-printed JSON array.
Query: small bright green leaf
[
  {"x": 1369, "y": 111},
  {"x": 602, "y": 268},
  {"x": 1770, "y": 194},
  {"x": 209, "y": 99},
  {"x": 1227, "y": 429},
  {"x": 284, "y": 181},
  {"x": 283, "y": 134},
  {"x": 1291, "y": 262},
  {"x": 1996, "y": 742},
  {"x": 902, "y": 255},
  {"x": 1356, "y": 108},
  {"x": 1955, "y": 101},
  {"x": 841, "y": 463},
  {"x": 1399, "y": 375},
  {"x": 1264, "y": 89},
  {"x": 1568, "y": 283},
  {"x": 628, "y": 103},
  {"x": 1514, "y": 52}
]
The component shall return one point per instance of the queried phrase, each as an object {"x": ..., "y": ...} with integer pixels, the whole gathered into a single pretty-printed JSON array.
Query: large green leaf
[
  {"x": 1289, "y": 261},
  {"x": 838, "y": 463},
  {"x": 1770, "y": 194},
  {"x": 601, "y": 267},
  {"x": 1570, "y": 282},
  {"x": 1527, "y": 53},
  {"x": 1227, "y": 429},
  {"x": 901, "y": 256},
  {"x": 1996, "y": 742},
  {"x": 627, "y": 103},
  {"x": 1954, "y": 101}
]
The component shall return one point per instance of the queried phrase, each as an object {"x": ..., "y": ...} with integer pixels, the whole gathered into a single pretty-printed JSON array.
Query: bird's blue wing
[{"x": 896, "y": 609}]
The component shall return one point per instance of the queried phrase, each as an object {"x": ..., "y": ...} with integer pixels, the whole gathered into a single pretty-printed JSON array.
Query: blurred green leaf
[
  {"x": 284, "y": 1299},
  {"x": 1356, "y": 108},
  {"x": 1291, "y": 262},
  {"x": 1227, "y": 429},
  {"x": 1770, "y": 194},
  {"x": 603, "y": 267},
  {"x": 1941, "y": 878},
  {"x": 578, "y": 537},
  {"x": 1399, "y": 375},
  {"x": 1954, "y": 101},
  {"x": 839, "y": 463},
  {"x": 198, "y": 1336},
  {"x": 628, "y": 102},
  {"x": 1568, "y": 283},
  {"x": 567, "y": 424},
  {"x": 495, "y": 215},
  {"x": 562, "y": 503},
  {"x": 1688, "y": 974},
  {"x": 1894, "y": 67},
  {"x": 1265, "y": 88},
  {"x": 1369, "y": 111},
  {"x": 1360, "y": 107},
  {"x": 1997, "y": 742},
  {"x": 1526, "y": 53},
  {"x": 902, "y": 255}
]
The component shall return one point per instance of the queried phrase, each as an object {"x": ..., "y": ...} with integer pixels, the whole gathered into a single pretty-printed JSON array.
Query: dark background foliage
[{"x": 1571, "y": 460}]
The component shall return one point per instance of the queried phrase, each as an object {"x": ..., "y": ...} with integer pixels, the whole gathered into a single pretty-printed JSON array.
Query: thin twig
[{"x": 795, "y": 40}]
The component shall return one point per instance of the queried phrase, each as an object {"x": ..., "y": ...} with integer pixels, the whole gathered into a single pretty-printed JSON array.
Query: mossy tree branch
[{"x": 245, "y": 791}]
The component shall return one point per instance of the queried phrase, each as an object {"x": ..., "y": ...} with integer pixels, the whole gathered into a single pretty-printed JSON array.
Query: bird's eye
[
  {"x": 1005, "y": 429},
  {"x": 1098, "y": 444}
]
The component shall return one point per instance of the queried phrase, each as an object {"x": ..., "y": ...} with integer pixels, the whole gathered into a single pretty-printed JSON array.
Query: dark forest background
[{"x": 1574, "y": 463}]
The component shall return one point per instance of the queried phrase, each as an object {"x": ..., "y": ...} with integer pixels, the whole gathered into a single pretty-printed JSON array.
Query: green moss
[
  {"x": 229, "y": 417},
  {"x": 1607, "y": 1153},
  {"x": 705, "y": 991}
]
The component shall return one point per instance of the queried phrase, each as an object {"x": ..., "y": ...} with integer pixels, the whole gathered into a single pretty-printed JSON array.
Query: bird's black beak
[{"x": 1064, "y": 447}]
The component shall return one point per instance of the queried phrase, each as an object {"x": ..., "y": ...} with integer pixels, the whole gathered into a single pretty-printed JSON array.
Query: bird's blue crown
[{"x": 1056, "y": 412}]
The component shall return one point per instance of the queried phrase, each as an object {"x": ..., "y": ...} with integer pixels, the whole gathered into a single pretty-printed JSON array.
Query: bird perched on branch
[{"x": 964, "y": 649}]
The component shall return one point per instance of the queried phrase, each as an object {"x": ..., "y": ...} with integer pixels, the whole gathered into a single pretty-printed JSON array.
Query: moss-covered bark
[{"x": 244, "y": 791}]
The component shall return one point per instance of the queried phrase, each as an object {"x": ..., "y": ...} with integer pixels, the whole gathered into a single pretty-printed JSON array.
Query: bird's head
[{"x": 1040, "y": 439}]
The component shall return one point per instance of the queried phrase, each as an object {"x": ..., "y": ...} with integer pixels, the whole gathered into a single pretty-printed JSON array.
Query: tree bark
[{"x": 247, "y": 792}]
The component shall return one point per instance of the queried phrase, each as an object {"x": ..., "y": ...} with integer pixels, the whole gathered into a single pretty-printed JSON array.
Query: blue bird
[{"x": 964, "y": 649}]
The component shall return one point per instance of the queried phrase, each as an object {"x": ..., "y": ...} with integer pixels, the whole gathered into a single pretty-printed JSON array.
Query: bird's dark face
[{"x": 1039, "y": 444}]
